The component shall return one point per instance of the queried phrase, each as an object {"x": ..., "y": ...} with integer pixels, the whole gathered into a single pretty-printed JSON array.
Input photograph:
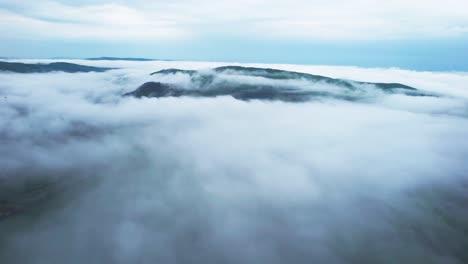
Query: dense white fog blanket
[{"x": 90, "y": 176}]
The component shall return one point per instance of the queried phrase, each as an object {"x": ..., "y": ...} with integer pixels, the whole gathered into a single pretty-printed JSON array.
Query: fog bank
[{"x": 89, "y": 175}]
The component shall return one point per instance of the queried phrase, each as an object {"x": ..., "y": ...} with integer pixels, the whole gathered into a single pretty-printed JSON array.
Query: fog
[{"x": 90, "y": 176}]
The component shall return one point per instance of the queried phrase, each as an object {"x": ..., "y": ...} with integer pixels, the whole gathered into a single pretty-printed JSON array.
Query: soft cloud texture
[
  {"x": 217, "y": 180},
  {"x": 53, "y": 20},
  {"x": 297, "y": 19}
]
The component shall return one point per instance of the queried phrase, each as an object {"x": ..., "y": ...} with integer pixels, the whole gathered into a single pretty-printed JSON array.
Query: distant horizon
[{"x": 433, "y": 68}]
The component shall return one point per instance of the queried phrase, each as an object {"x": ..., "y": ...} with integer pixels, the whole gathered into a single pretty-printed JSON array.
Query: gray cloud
[{"x": 218, "y": 180}]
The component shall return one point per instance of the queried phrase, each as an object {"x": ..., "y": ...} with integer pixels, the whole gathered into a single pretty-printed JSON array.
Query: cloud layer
[
  {"x": 218, "y": 180},
  {"x": 298, "y": 19}
]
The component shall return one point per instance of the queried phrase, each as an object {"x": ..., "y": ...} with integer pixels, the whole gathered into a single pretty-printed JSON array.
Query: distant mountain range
[
  {"x": 51, "y": 67},
  {"x": 268, "y": 84},
  {"x": 121, "y": 59}
]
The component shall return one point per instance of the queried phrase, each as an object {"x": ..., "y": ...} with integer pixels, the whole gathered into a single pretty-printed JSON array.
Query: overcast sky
[{"x": 410, "y": 34}]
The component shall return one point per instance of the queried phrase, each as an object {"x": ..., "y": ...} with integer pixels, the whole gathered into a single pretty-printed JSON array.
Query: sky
[{"x": 420, "y": 35}]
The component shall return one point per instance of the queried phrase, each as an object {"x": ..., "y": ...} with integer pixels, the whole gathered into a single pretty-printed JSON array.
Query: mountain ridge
[
  {"x": 19, "y": 67},
  {"x": 212, "y": 83}
]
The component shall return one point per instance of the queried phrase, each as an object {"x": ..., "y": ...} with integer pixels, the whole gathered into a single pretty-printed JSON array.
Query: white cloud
[
  {"x": 197, "y": 180},
  {"x": 51, "y": 20},
  {"x": 297, "y": 19}
]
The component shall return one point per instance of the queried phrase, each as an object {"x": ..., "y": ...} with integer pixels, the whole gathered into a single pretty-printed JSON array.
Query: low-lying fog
[{"x": 90, "y": 176}]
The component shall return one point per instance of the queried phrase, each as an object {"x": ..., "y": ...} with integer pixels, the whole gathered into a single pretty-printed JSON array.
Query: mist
[{"x": 91, "y": 176}]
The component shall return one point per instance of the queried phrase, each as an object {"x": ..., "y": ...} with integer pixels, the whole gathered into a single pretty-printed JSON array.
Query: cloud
[
  {"x": 221, "y": 180},
  {"x": 294, "y": 20},
  {"x": 104, "y": 22}
]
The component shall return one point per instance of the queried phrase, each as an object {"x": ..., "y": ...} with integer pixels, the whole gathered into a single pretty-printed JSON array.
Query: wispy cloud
[
  {"x": 296, "y": 19},
  {"x": 98, "y": 22}
]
